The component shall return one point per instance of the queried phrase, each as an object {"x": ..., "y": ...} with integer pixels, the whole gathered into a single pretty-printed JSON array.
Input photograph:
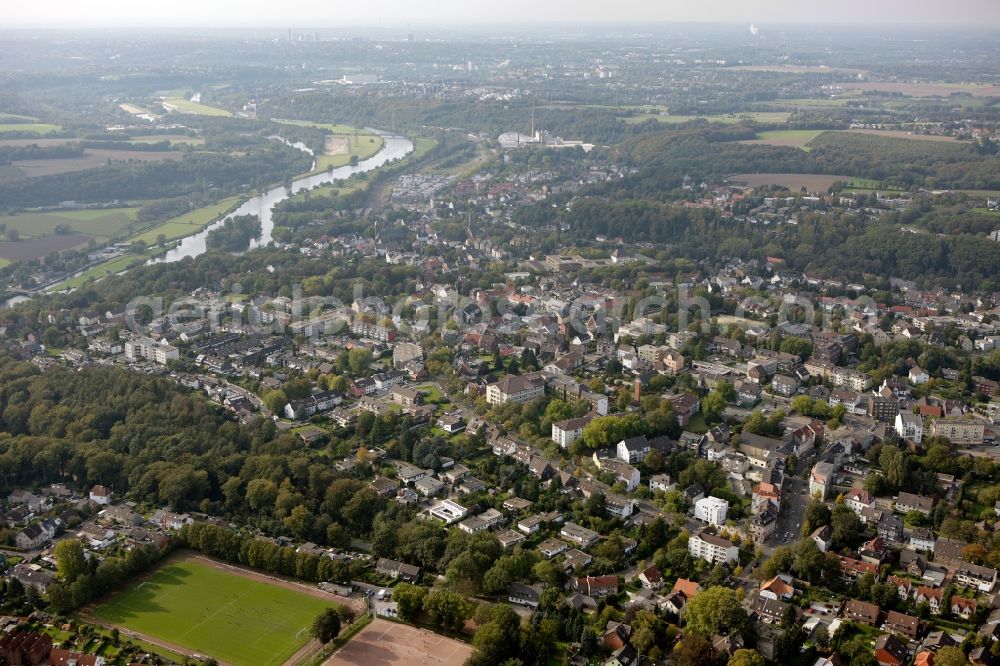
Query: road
[{"x": 795, "y": 498}]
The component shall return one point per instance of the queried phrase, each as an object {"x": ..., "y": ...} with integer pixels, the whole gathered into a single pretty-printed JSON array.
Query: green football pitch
[{"x": 212, "y": 612}]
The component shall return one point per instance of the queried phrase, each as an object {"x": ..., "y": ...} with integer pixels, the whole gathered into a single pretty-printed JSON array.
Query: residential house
[
  {"x": 524, "y": 595},
  {"x": 579, "y": 535},
  {"x": 922, "y": 539},
  {"x": 779, "y": 588},
  {"x": 516, "y": 388},
  {"x": 900, "y": 623},
  {"x": 906, "y": 502},
  {"x": 568, "y": 431},
  {"x": 861, "y": 612},
  {"x": 890, "y": 651},
  {"x": 101, "y": 495},
  {"x": 858, "y": 499},
  {"x": 633, "y": 450},
  {"x": 650, "y": 578},
  {"x": 963, "y": 607},
  {"x": 711, "y": 510},
  {"x": 596, "y": 586},
  {"x": 713, "y": 548},
  {"x": 933, "y": 597},
  {"x": 398, "y": 570},
  {"x": 910, "y": 426}
]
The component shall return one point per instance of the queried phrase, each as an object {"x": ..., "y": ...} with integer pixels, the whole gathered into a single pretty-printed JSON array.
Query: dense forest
[
  {"x": 839, "y": 246},
  {"x": 492, "y": 118},
  {"x": 713, "y": 153},
  {"x": 235, "y": 234},
  {"x": 196, "y": 173}
]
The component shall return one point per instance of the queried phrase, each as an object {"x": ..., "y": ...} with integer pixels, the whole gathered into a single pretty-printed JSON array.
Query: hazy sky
[{"x": 332, "y": 13}]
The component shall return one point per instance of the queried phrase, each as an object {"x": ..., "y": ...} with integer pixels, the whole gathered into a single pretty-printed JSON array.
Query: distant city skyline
[{"x": 324, "y": 14}]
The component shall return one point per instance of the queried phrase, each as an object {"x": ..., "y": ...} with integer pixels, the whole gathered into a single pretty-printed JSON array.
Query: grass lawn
[
  {"x": 188, "y": 223},
  {"x": 217, "y": 613},
  {"x": 103, "y": 223},
  {"x": 38, "y": 128},
  {"x": 172, "y": 138},
  {"x": 103, "y": 269},
  {"x": 330, "y": 127},
  {"x": 362, "y": 146},
  {"x": 697, "y": 425},
  {"x": 422, "y": 146},
  {"x": 792, "y": 138},
  {"x": 433, "y": 393},
  {"x": 185, "y": 106}
]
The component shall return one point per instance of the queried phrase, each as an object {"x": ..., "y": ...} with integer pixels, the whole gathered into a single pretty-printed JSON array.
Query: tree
[
  {"x": 275, "y": 401},
  {"x": 447, "y": 609},
  {"x": 359, "y": 359},
  {"x": 695, "y": 650},
  {"x": 716, "y": 610},
  {"x": 950, "y": 656},
  {"x": 499, "y": 638},
  {"x": 326, "y": 626},
  {"x": 409, "y": 600},
  {"x": 70, "y": 560},
  {"x": 713, "y": 405},
  {"x": 746, "y": 657},
  {"x": 817, "y": 515}
]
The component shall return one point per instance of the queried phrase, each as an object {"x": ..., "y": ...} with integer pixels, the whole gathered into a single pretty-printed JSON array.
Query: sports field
[
  {"x": 181, "y": 105},
  {"x": 203, "y": 608},
  {"x": 385, "y": 643}
]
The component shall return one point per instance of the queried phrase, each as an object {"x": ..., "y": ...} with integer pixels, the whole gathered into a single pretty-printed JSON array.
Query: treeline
[
  {"x": 9, "y": 154},
  {"x": 836, "y": 245},
  {"x": 235, "y": 547},
  {"x": 163, "y": 445},
  {"x": 196, "y": 173},
  {"x": 96, "y": 577},
  {"x": 492, "y": 118},
  {"x": 713, "y": 153},
  {"x": 235, "y": 234},
  {"x": 154, "y": 147}
]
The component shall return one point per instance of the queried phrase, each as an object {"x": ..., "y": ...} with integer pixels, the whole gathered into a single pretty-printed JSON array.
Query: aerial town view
[{"x": 500, "y": 334}]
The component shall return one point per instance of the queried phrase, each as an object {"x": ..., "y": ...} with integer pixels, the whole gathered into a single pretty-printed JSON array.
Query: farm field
[
  {"x": 186, "y": 224},
  {"x": 172, "y": 138},
  {"x": 38, "y": 128},
  {"x": 181, "y": 105},
  {"x": 211, "y": 609},
  {"x": 928, "y": 89},
  {"x": 793, "y": 181},
  {"x": 810, "y": 102},
  {"x": 92, "y": 158},
  {"x": 727, "y": 119},
  {"x": 26, "y": 250},
  {"x": 900, "y": 134},
  {"x": 103, "y": 223},
  {"x": 789, "y": 138}
]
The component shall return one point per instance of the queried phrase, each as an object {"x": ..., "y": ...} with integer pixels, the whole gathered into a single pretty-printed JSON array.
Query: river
[{"x": 396, "y": 147}]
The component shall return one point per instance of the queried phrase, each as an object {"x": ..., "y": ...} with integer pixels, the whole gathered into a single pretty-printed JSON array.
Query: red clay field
[{"x": 384, "y": 643}]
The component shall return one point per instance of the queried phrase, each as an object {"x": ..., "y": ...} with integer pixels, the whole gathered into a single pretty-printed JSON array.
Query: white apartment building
[{"x": 711, "y": 510}]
